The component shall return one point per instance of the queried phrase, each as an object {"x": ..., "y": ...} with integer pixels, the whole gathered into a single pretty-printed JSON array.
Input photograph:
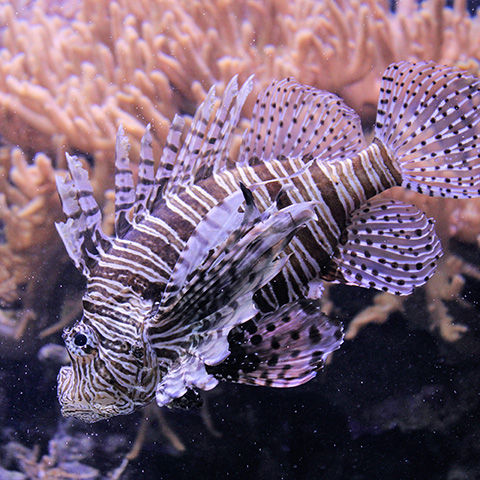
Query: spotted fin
[
  {"x": 429, "y": 119},
  {"x": 284, "y": 348},
  {"x": 389, "y": 246},
  {"x": 295, "y": 120}
]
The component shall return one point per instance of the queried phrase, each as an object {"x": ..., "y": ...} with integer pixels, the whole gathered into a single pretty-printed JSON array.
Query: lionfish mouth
[
  {"x": 89, "y": 413},
  {"x": 74, "y": 405},
  {"x": 85, "y": 415}
]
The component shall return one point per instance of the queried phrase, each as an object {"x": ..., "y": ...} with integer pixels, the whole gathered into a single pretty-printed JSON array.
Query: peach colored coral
[{"x": 71, "y": 72}]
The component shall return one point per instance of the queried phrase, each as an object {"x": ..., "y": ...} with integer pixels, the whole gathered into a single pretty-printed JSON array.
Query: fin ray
[
  {"x": 146, "y": 175},
  {"x": 124, "y": 188},
  {"x": 429, "y": 118},
  {"x": 389, "y": 246},
  {"x": 205, "y": 149},
  {"x": 189, "y": 152},
  {"x": 82, "y": 234}
]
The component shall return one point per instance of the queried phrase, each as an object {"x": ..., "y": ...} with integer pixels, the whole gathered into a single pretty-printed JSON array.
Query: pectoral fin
[{"x": 282, "y": 349}]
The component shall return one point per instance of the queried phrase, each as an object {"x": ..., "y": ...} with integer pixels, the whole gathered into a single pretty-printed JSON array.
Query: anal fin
[
  {"x": 281, "y": 349},
  {"x": 387, "y": 245}
]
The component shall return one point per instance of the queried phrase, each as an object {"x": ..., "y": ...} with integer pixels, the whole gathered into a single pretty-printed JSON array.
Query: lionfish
[{"x": 216, "y": 268}]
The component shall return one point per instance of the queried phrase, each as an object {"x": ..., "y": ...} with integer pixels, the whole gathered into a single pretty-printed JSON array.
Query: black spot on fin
[
  {"x": 389, "y": 246},
  {"x": 247, "y": 194},
  {"x": 281, "y": 349},
  {"x": 251, "y": 210}
]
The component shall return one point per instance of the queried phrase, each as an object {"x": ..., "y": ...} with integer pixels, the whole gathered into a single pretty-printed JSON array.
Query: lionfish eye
[{"x": 80, "y": 339}]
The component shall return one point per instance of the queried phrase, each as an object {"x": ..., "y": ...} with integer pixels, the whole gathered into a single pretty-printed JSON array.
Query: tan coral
[
  {"x": 50, "y": 466},
  {"x": 70, "y": 75},
  {"x": 28, "y": 207},
  {"x": 383, "y": 305}
]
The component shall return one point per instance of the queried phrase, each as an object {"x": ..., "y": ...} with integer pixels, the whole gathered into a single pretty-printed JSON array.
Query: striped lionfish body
[{"x": 216, "y": 266}]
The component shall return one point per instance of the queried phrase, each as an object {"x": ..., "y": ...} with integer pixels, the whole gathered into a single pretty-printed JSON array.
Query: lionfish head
[{"x": 103, "y": 380}]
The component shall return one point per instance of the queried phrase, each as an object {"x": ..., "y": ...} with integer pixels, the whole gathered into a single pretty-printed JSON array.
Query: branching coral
[
  {"x": 69, "y": 75},
  {"x": 28, "y": 207},
  {"x": 72, "y": 71},
  {"x": 49, "y": 467}
]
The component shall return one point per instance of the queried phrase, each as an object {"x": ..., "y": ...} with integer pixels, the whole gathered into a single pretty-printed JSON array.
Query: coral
[
  {"x": 72, "y": 71},
  {"x": 383, "y": 305},
  {"x": 28, "y": 207},
  {"x": 70, "y": 74},
  {"x": 70, "y": 452},
  {"x": 50, "y": 467}
]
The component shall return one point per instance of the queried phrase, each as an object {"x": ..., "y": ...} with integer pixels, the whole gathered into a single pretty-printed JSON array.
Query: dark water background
[{"x": 398, "y": 402}]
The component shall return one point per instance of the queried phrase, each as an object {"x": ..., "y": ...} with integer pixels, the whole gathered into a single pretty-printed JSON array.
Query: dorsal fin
[
  {"x": 170, "y": 150},
  {"x": 302, "y": 121},
  {"x": 81, "y": 233},
  {"x": 210, "y": 144},
  {"x": 216, "y": 159},
  {"x": 84, "y": 194},
  {"x": 124, "y": 189},
  {"x": 206, "y": 146},
  {"x": 167, "y": 161},
  {"x": 294, "y": 120},
  {"x": 190, "y": 149}
]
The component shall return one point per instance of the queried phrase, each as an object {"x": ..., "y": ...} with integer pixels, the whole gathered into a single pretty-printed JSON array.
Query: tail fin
[{"x": 429, "y": 119}]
